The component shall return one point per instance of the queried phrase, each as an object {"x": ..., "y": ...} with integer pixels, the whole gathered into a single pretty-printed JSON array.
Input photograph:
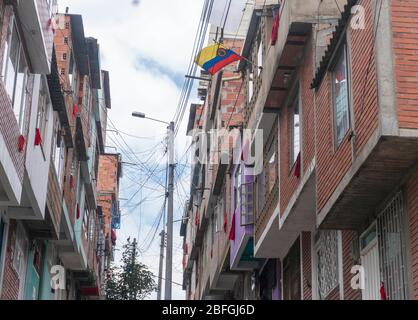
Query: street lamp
[{"x": 169, "y": 252}]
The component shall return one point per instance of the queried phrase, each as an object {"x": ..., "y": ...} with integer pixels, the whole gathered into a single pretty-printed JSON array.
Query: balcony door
[
  {"x": 292, "y": 273},
  {"x": 370, "y": 263}
]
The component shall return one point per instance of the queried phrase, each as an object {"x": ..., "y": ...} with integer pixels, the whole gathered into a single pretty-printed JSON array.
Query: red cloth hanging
[
  {"x": 78, "y": 211},
  {"x": 297, "y": 167},
  {"x": 75, "y": 110},
  {"x": 38, "y": 137},
  {"x": 275, "y": 30},
  {"x": 196, "y": 218},
  {"x": 232, "y": 230},
  {"x": 382, "y": 292},
  {"x": 186, "y": 249},
  {"x": 21, "y": 143},
  {"x": 184, "y": 262},
  {"x": 225, "y": 221}
]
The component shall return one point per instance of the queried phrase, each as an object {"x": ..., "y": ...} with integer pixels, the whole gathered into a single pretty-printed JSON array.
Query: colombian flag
[{"x": 216, "y": 57}]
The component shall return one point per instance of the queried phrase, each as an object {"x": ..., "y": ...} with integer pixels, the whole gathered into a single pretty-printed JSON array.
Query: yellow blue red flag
[{"x": 216, "y": 57}]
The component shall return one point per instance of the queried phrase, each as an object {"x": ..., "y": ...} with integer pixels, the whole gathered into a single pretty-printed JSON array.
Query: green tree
[{"x": 132, "y": 280}]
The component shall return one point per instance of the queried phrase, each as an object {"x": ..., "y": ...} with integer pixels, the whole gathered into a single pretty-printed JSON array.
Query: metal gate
[{"x": 390, "y": 224}]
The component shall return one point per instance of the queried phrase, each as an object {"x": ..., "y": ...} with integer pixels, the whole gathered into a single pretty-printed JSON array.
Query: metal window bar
[
  {"x": 392, "y": 249},
  {"x": 327, "y": 257},
  {"x": 247, "y": 204}
]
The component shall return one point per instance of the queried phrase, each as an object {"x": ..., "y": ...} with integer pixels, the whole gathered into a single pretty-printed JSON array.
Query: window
[
  {"x": 247, "y": 202},
  {"x": 271, "y": 166},
  {"x": 15, "y": 73},
  {"x": 295, "y": 134},
  {"x": 260, "y": 57},
  {"x": 340, "y": 97},
  {"x": 64, "y": 56},
  {"x": 86, "y": 218},
  {"x": 237, "y": 185},
  {"x": 250, "y": 87},
  {"x": 43, "y": 103},
  {"x": 65, "y": 40},
  {"x": 19, "y": 251},
  {"x": 58, "y": 151},
  {"x": 327, "y": 262},
  {"x": 72, "y": 73}
]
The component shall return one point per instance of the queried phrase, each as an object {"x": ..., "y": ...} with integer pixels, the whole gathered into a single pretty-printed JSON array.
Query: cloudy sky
[{"x": 146, "y": 46}]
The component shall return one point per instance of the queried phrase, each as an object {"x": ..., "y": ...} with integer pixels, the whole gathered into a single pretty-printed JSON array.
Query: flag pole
[{"x": 242, "y": 57}]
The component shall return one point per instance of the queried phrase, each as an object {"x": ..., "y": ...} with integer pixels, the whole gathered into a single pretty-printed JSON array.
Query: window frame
[
  {"x": 58, "y": 138},
  {"x": 19, "y": 111},
  {"x": 341, "y": 53},
  {"x": 43, "y": 106},
  {"x": 296, "y": 103}
]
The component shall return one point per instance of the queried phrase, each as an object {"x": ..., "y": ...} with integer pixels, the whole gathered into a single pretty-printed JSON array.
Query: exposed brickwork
[
  {"x": 10, "y": 289},
  {"x": 411, "y": 195},
  {"x": 405, "y": 45},
  {"x": 54, "y": 198},
  {"x": 334, "y": 294},
  {"x": 348, "y": 263},
  {"x": 288, "y": 181},
  {"x": 107, "y": 187},
  {"x": 334, "y": 161},
  {"x": 306, "y": 266}
]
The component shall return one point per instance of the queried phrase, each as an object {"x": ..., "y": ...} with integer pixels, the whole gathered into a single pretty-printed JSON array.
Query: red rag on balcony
[
  {"x": 275, "y": 31},
  {"x": 196, "y": 218},
  {"x": 297, "y": 167},
  {"x": 75, "y": 110},
  {"x": 78, "y": 211},
  {"x": 21, "y": 143},
  {"x": 232, "y": 230},
  {"x": 113, "y": 236},
  {"x": 186, "y": 249},
  {"x": 225, "y": 221},
  {"x": 38, "y": 137},
  {"x": 383, "y": 292}
]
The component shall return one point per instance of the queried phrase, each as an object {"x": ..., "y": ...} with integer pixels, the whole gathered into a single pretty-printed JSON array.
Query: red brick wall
[
  {"x": 306, "y": 266},
  {"x": 288, "y": 181},
  {"x": 348, "y": 263},
  {"x": 411, "y": 192},
  {"x": 364, "y": 89},
  {"x": 232, "y": 98},
  {"x": 405, "y": 44},
  {"x": 333, "y": 163},
  {"x": 10, "y": 289},
  {"x": 334, "y": 294},
  {"x": 107, "y": 187}
]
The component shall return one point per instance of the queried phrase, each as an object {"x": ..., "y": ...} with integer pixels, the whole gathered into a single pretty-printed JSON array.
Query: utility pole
[
  {"x": 169, "y": 255},
  {"x": 160, "y": 269}
]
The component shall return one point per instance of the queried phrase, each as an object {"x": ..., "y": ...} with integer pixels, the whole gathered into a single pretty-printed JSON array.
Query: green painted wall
[
  {"x": 32, "y": 279},
  {"x": 45, "y": 285}
]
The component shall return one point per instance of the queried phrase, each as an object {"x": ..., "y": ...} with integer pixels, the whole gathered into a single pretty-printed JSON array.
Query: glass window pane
[
  {"x": 340, "y": 90},
  {"x": 11, "y": 63}
]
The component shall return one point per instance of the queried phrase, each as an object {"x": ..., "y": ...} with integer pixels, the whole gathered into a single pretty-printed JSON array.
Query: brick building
[
  {"x": 336, "y": 187},
  {"x": 54, "y": 103}
]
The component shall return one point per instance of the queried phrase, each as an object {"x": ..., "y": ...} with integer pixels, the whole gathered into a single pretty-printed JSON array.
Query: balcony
[
  {"x": 38, "y": 33},
  {"x": 381, "y": 149},
  {"x": 296, "y": 20}
]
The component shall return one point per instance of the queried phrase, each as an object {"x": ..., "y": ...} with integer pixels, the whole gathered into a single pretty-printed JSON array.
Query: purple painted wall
[
  {"x": 277, "y": 294},
  {"x": 240, "y": 231}
]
